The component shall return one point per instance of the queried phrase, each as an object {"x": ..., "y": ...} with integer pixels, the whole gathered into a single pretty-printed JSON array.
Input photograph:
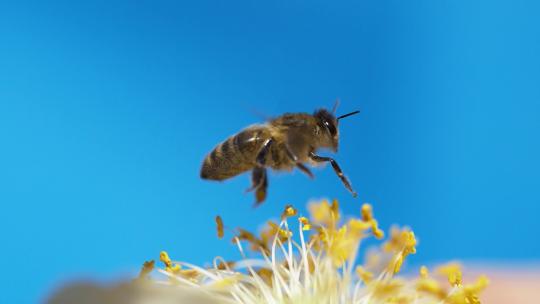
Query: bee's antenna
[
  {"x": 348, "y": 114},
  {"x": 336, "y": 104}
]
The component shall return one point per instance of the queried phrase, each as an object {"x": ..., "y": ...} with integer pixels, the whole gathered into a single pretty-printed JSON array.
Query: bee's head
[
  {"x": 328, "y": 129},
  {"x": 328, "y": 126}
]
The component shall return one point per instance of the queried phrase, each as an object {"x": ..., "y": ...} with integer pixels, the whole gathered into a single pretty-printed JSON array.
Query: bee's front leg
[
  {"x": 259, "y": 177},
  {"x": 337, "y": 169}
]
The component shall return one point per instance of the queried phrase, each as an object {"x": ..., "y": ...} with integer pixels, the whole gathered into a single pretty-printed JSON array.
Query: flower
[{"x": 318, "y": 264}]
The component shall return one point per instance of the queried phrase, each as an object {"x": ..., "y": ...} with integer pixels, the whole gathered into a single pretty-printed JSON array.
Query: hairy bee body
[
  {"x": 238, "y": 153},
  {"x": 282, "y": 144}
]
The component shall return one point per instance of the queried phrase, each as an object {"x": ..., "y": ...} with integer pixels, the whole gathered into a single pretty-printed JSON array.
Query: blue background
[{"x": 107, "y": 109}]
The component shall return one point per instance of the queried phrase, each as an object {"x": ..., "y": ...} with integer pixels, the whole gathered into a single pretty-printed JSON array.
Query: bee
[{"x": 282, "y": 144}]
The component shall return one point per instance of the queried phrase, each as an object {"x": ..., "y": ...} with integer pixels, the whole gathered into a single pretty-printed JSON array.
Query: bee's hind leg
[
  {"x": 260, "y": 192},
  {"x": 337, "y": 169},
  {"x": 259, "y": 177},
  {"x": 259, "y": 182}
]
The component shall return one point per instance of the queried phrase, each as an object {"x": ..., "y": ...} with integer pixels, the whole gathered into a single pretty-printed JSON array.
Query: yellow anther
[
  {"x": 465, "y": 295},
  {"x": 219, "y": 226},
  {"x": 431, "y": 287},
  {"x": 401, "y": 240},
  {"x": 452, "y": 271},
  {"x": 359, "y": 225},
  {"x": 469, "y": 293},
  {"x": 256, "y": 243},
  {"x": 322, "y": 214},
  {"x": 245, "y": 235},
  {"x": 335, "y": 209},
  {"x": 190, "y": 274},
  {"x": 164, "y": 257},
  {"x": 454, "y": 278},
  {"x": 363, "y": 274},
  {"x": 174, "y": 269},
  {"x": 305, "y": 223},
  {"x": 402, "y": 243},
  {"x": 409, "y": 241},
  {"x": 367, "y": 212},
  {"x": 339, "y": 244},
  {"x": 367, "y": 221},
  {"x": 288, "y": 212},
  {"x": 147, "y": 267},
  {"x": 481, "y": 283},
  {"x": 225, "y": 265},
  {"x": 378, "y": 233},
  {"x": 281, "y": 233},
  {"x": 285, "y": 234},
  {"x": 169, "y": 266}
]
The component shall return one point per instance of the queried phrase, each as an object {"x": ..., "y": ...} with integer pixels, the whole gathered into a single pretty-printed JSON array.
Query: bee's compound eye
[{"x": 331, "y": 128}]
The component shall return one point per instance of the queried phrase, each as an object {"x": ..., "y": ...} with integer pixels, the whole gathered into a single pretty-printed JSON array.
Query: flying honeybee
[{"x": 282, "y": 143}]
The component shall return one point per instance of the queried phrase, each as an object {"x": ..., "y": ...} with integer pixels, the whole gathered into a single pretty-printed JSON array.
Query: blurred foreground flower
[{"x": 308, "y": 260}]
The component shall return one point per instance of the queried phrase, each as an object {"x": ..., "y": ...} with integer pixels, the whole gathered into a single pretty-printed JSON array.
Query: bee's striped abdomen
[{"x": 233, "y": 156}]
